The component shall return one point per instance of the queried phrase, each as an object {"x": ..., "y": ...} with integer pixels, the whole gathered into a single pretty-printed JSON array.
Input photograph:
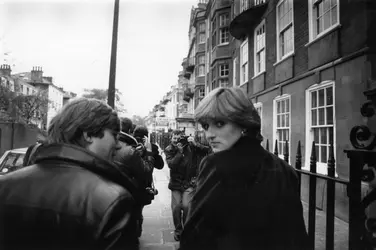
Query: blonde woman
[{"x": 246, "y": 198}]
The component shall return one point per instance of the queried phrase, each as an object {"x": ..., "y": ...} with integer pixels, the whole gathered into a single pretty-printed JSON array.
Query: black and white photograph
[{"x": 187, "y": 124}]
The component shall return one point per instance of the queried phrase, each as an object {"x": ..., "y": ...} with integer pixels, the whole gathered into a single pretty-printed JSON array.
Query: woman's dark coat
[
  {"x": 68, "y": 199},
  {"x": 246, "y": 198}
]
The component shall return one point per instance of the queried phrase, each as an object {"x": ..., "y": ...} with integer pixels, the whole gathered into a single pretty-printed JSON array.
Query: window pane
[
  {"x": 278, "y": 121},
  {"x": 314, "y": 117},
  {"x": 321, "y": 116},
  {"x": 331, "y": 139},
  {"x": 329, "y": 115},
  {"x": 317, "y": 153},
  {"x": 327, "y": 20},
  {"x": 334, "y": 15},
  {"x": 321, "y": 97},
  {"x": 323, "y": 136},
  {"x": 314, "y": 99},
  {"x": 283, "y": 121},
  {"x": 283, "y": 104},
  {"x": 326, "y": 5},
  {"x": 316, "y": 135},
  {"x": 287, "y": 120},
  {"x": 324, "y": 157},
  {"x": 287, "y": 105},
  {"x": 329, "y": 96}
]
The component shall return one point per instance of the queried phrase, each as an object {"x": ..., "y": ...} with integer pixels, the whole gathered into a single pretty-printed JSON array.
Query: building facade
[
  {"x": 306, "y": 65},
  {"x": 34, "y": 82}
]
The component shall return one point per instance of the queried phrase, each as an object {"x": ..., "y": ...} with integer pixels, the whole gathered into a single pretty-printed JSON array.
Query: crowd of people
[{"x": 85, "y": 187}]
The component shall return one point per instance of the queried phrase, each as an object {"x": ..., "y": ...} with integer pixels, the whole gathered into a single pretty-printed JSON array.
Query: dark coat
[
  {"x": 246, "y": 198},
  {"x": 183, "y": 167},
  {"x": 69, "y": 199}
]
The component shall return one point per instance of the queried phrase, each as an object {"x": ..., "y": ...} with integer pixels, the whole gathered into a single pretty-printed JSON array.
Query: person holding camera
[
  {"x": 136, "y": 160},
  {"x": 181, "y": 157}
]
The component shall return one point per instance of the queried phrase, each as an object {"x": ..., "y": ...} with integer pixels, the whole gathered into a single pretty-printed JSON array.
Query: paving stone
[
  {"x": 168, "y": 236},
  {"x": 158, "y": 247},
  {"x": 148, "y": 237}
]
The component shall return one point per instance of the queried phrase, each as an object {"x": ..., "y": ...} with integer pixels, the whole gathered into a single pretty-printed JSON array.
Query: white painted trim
[
  {"x": 311, "y": 21},
  {"x": 254, "y": 48},
  {"x": 284, "y": 58},
  {"x": 293, "y": 32},
  {"x": 280, "y": 98},
  {"x": 258, "y": 74},
  {"x": 241, "y": 62},
  {"x": 321, "y": 168},
  {"x": 234, "y": 70}
]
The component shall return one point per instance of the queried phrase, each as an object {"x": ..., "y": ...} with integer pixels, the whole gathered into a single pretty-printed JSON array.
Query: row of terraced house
[
  {"x": 34, "y": 83},
  {"x": 307, "y": 65}
]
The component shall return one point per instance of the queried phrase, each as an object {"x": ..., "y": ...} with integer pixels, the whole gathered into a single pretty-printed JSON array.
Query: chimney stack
[
  {"x": 37, "y": 74},
  {"x": 5, "y": 70},
  {"x": 48, "y": 78}
]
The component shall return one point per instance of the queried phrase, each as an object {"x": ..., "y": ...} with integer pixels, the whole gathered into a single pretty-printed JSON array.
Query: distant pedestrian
[
  {"x": 246, "y": 197},
  {"x": 72, "y": 196},
  {"x": 181, "y": 157}
]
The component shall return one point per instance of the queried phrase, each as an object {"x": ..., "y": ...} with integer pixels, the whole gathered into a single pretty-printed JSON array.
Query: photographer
[
  {"x": 181, "y": 156},
  {"x": 131, "y": 160}
]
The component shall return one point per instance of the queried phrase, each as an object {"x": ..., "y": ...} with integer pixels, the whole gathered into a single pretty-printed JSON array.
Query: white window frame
[
  {"x": 224, "y": 32},
  {"x": 244, "y": 62},
  {"x": 258, "y": 2},
  {"x": 224, "y": 19},
  {"x": 275, "y": 134},
  {"x": 224, "y": 70},
  {"x": 223, "y": 82},
  {"x": 280, "y": 57},
  {"x": 234, "y": 70},
  {"x": 201, "y": 38},
  {"x": 202, "y": 27},
  {"x": 244, "y": 5},
  {"x": 258, "y": 50},
  {"x": 201, "y": 70},
  {"x": 322, "y": 168},
  {"x": 312, "y": 21},
  {"x": 258, "y": 107},
  {"x": 201, "y": 59},
  {"x": 201, "y": 93}
]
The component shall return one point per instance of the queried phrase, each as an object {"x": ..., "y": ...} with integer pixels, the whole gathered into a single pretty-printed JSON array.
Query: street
[{"x": 158, "y": 226}]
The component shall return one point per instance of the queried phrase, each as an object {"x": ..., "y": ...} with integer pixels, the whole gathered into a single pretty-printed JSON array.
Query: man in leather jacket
[
  {"x": 181, "y": 157},
  {"x": 73, "y": 196}
]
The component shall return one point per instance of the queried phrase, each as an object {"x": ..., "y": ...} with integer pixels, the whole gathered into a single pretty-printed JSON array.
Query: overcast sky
[{"x": 71, "y": 41}]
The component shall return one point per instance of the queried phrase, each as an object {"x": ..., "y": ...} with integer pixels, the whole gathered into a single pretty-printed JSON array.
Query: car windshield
[{"x": 13, "y": 161}]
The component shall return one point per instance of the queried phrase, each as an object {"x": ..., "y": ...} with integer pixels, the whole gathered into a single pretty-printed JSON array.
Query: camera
[
  {"x": 152, "y": 191},
  {"x": 183, "y": 140}
]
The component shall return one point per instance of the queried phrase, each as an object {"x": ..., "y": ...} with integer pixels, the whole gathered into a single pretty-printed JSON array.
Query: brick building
[{"x": 306, "y": 64}]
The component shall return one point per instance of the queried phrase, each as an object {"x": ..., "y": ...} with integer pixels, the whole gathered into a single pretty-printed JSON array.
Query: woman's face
[{"x": 221, "y": 134}]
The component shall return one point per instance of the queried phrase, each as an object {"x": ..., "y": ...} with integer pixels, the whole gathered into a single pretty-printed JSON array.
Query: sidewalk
[
  {"x": 158, "y": 227},
  {"x": 341, "y": 230}
]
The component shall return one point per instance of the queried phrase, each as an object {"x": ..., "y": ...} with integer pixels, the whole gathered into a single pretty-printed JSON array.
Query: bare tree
[
  {"x": 102, "y": 94},
  {"x": 6, "y": 97},
  {"x": 32, "y": 108}
]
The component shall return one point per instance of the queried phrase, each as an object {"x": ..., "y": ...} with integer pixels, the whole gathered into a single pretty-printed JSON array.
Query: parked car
[{"x": 12, "y": 160}]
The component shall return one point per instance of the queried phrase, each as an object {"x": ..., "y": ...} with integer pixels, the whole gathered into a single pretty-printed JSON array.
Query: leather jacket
[{"x": 68, "y": 199}]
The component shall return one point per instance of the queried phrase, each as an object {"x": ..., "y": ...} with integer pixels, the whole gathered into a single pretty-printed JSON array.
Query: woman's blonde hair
[{"x": 230, "y": 104}]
